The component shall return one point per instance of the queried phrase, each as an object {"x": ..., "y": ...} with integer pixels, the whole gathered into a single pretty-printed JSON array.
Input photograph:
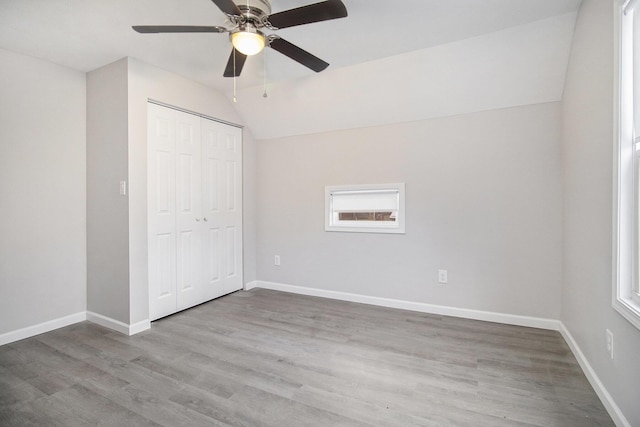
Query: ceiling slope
[{"x": 517, "y": 66}]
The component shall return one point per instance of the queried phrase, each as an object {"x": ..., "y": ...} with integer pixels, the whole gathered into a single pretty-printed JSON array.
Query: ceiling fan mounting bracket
[{"x": 254, "y": 11}]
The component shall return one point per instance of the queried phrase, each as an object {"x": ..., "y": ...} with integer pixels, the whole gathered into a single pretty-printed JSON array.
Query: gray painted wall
[
  {"x": 587, "y": 163},
  {"x": 107, "y": 210},
  {"x": 483, "y": 197},
  {"x": 42, "y": 192}
]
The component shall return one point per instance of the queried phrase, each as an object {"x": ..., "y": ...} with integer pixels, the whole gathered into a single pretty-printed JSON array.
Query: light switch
[{"x": 123, "y": 188}]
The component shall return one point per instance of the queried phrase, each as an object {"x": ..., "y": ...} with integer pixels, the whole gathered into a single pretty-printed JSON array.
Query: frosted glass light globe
[{"x": 247, "y": 42}]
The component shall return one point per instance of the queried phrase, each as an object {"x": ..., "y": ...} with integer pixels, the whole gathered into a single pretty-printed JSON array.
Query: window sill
[
  {"x": 361, "y": 229},
  {"x": 629, "y": 309}
]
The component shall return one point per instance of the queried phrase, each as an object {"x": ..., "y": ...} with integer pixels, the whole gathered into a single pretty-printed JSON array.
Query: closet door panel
[
  {"x": 190, "y": 287},
  {"x": 233, "y": 214},
  {"x": 161, "y": 211},
  {"x": 165, "y": 254},
  {"x": 212, "y": 179},
  {"x": 212, "y": 261},
  {"x": 231, "y": 254},
  {"x": 222, "y": 163}
]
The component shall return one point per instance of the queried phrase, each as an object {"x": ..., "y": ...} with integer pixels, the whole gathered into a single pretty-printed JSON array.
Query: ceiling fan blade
[
  {"x": 228, "y": 7},
  {"x": 323, "y": 11},
  {"x": 299, "y": 55},
  {"x": 177, "y": 29},
  {"x": 240, "y": 59}
]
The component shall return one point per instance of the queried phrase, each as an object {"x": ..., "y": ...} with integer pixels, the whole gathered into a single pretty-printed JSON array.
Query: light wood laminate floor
[{"x": 265, "y": 358}]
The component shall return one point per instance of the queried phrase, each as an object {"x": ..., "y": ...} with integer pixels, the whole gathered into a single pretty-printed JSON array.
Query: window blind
[{"x": 365, "y": 201}]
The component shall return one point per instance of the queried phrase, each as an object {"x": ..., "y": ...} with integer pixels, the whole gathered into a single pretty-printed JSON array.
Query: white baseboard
[
  {"x": 41, "y": 328},
  {"x": 250, "y": 285},
  {"x": 614, "y": 411},
  {"x": 510, "y": 319},
  {"x": 117, "y": 325},
  {"x": 140, "y": 326}
]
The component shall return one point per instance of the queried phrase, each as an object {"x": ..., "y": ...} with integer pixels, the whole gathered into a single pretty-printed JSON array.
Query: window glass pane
[
  {"x": 636, "y": 215},
  {"x": 636, "y": 70},
  {"x": 366, "y": 216},
  {"x": 634, "y": 82}
]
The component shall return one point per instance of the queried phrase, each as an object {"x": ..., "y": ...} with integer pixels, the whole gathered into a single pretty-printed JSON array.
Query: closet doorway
[{"x": 194, "y": 209}]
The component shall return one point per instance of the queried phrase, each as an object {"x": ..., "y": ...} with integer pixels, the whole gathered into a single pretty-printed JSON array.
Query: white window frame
[
  {"x": 626, "y": 219},
  {"x": 332, "y": 223}
]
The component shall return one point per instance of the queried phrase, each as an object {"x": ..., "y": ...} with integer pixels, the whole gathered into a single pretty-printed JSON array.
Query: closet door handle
[
  {"x": 205, "y": 219},
  {"x": 197, "y": 219}
]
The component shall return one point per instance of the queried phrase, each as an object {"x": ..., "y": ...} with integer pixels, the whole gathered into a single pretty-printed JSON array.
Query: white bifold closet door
[{"x": 194, "y": 209}]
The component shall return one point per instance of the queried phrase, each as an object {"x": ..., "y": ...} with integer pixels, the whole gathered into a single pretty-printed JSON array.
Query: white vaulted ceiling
[{"x": 390, "y": 61}]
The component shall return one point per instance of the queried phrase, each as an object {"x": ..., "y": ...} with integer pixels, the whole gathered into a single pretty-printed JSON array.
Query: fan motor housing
[{"x": 254, "y": 10}]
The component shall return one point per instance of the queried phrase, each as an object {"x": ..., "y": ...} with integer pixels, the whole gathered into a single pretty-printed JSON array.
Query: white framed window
[
  {"x": 375, "y": 208},
  {"x": 626, "y": 289}
]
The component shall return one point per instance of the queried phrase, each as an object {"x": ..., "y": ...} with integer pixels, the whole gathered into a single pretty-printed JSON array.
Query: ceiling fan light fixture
[
  {"x": 248, "y": 40},
  {"x": 247, "y": 17}
]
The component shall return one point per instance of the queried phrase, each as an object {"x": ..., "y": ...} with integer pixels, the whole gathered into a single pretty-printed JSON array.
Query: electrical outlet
[
  {"x": 610, "y": 344},
  {"x": 276, "y": 260},
  {"x": 442, "y": 276}
]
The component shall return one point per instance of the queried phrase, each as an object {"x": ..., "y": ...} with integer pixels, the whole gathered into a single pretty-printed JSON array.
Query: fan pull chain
[
  {"x": 235, "y": 99},
  {"x": 234, "y": 68},
  {"x": 264, "y": 72}
]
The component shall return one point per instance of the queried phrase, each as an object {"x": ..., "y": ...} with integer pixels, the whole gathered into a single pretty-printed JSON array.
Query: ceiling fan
[{"x": 248, "y": 18}]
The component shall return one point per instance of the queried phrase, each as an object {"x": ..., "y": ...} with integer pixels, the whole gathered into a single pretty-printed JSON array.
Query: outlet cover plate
[{"x": 442, "y": 276}]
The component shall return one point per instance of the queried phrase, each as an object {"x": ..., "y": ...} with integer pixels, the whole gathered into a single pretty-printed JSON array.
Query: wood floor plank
[{"x": 266, "y": 358}]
